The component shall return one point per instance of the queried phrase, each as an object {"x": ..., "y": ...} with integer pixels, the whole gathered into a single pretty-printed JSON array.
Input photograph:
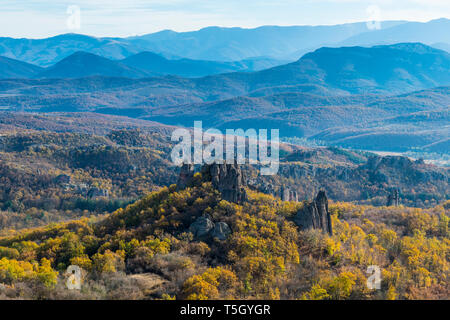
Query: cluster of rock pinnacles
[{"x": 229, "y": 180}]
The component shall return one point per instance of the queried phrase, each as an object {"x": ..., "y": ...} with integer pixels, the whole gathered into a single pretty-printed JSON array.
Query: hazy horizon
[
  {"x": 214, "y": 26},
  {"x": 100, "y": 18}
]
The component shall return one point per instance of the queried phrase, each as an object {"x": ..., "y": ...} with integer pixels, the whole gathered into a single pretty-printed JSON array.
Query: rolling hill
[
  {"x": 46, "y": 52},
  {"x": 11, "y": 68},
  {"x": 145, "y": 64},
  {"x": 388, "y": 69},
  {"x": 83, "y": 64},
  {"x": 156, "y": 64}
]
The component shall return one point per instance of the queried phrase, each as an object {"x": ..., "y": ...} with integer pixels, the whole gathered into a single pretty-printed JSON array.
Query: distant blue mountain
[
  {"x": 11, "y": 68},
  {"x": 396, "y": 68},
  {"x": 146, "y": 64},
  {"x": 435, "y": 31},
  {"x": 153, "y": 63},
  {"x": 358, "y": 70},
  {"x": 83, "y": 64},
  {"x": 227, "y": 44},
  {"x": 231, "y": 44},
  {"x": 46, "y": 52},
  {"x": 347, "y": 71}
]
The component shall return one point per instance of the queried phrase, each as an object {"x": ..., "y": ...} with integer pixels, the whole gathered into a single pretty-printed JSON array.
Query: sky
[{"x": 120, "y": 18}]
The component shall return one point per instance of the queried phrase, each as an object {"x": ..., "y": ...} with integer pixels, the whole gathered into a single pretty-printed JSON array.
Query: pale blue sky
[{"x": 38, "y": 18}]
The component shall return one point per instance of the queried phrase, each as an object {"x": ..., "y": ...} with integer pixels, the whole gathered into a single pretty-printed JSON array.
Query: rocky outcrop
[
  {"x": 221, "y": 231},
  {"x": 228, "y": 179},
  {"x": 186, "y": 175},
  {"x": 288, "y": 194},
  {"x": 393, "y": 199},
  {"x": 315, "y": 215},
  {"x": 205, "y": 229},
  {"x": 294, "y": 196},
  {"x": 202, "y": 228},
  {"x": 285, "y": 194}
]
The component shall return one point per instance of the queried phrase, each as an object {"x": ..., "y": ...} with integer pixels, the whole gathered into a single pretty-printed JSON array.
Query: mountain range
[
  {"x": 228, "y": 44},
  {"x": 145, "y": 64},
  {"x": 392, "y": 69},
  {"x": 385, "y": 89},
  {"x": 345, "y": 96}
]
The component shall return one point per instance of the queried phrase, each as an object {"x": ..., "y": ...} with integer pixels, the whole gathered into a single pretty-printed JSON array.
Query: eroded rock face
[
  {"x": 228, "y": 179},
  {"x": 315, "y": 215},
  {"x": 285, "y": 194}
]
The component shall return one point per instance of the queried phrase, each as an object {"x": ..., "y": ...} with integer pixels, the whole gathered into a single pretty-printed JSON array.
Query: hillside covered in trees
[
  {"x": 65, "y": 166},
  {"x": 159, "y": 248}
]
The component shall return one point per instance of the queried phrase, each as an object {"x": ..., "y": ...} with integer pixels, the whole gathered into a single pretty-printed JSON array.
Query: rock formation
[
  {"x": 315, "y": 215},
  {"x": 393, "y": 199},
  {"x": 294, "y": 196},
  {"x": 204, "y": 229},
  {"x": 228, "y": 179},
  {"x": 284, "y": 194},
  {"x": 288, "y": 194}
]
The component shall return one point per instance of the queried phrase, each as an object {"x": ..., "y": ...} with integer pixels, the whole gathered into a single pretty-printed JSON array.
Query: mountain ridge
[
  {"x": 12, "y": 68},
  {"x": 83, "y": 64},
  {"x": 220, "y": 44}
]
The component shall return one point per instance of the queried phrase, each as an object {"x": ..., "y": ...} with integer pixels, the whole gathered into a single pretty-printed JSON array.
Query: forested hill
[
  {"x": 61, "y": 166},
  {"x": 190, "y": 243}
]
